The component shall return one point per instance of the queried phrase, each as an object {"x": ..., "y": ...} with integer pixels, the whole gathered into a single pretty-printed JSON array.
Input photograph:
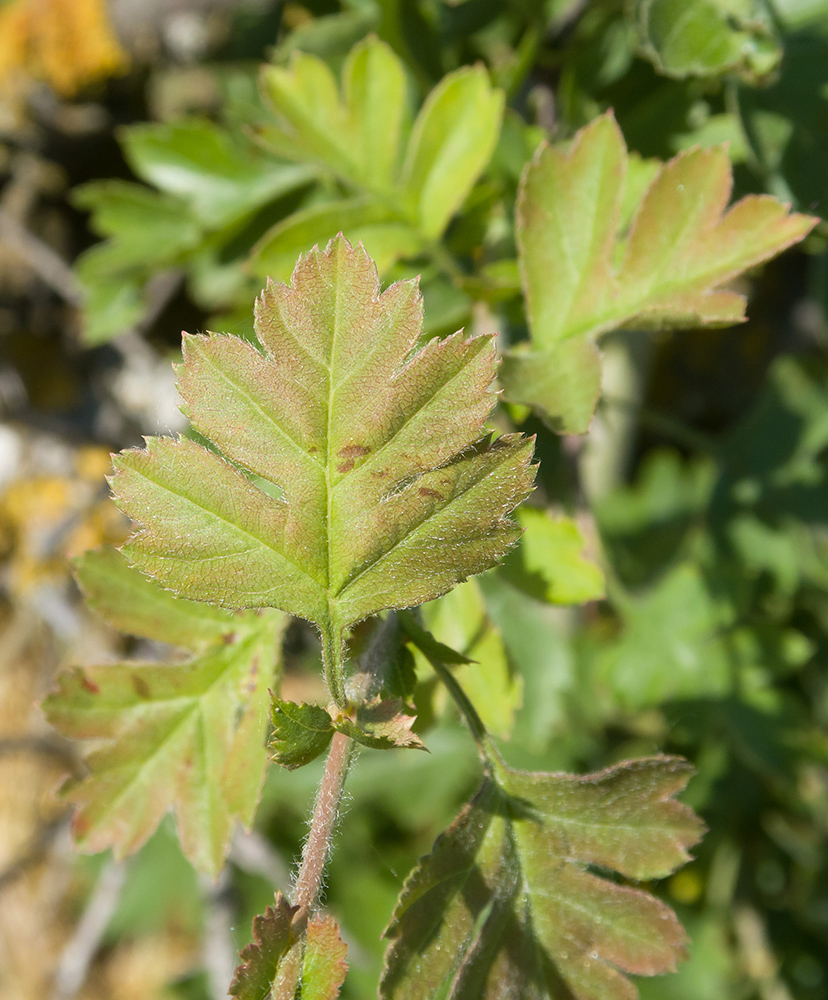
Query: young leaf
[
  {"x": 282, "y": 964},
  {"x": 356, "y": 135},
  {"x": 300, "y": 732},
  {"x": 381, "y": 725},
  {"x": 391, "y": 493},
  {"x": 583, "y": 276},
  {"x": 188, "y": 735},
  {"x": 453, "y": 139},
  {"x": 272, "y": 940},
  {"x": 504, "y": 906}
]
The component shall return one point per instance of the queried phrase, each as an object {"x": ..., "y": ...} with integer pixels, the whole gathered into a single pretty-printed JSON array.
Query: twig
[
  {"x": 218, "y": 947},
  {"x": 325, "y": 814},
  {"x": 39, "y": 845},
  {"x": 41, "y": 258},
  {"x": 79, "y": 953}
]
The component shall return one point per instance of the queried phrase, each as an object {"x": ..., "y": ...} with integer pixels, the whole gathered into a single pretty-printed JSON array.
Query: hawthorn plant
[{"x": 347, "y": 473}]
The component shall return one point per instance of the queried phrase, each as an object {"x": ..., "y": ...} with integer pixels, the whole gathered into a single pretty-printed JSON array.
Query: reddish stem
[{"x": 325, "y": 814}]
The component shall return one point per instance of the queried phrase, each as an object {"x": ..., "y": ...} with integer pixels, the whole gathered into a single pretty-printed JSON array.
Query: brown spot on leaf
[
  {"x": 424, "y": 491},
  {"x": 346, "y": 466},
  {"x": 89, "y": 685},
  {"x": 228, "y": 638},
  {"x": 353, "y": 451},
  {"x": 140, "y": 686},
  {"x": 379, "y": 473}
]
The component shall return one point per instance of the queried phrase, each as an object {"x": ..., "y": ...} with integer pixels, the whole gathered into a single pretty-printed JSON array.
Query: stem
[
  {"x": 325, "y": 814},
  {"x": 334, "y": 672}
]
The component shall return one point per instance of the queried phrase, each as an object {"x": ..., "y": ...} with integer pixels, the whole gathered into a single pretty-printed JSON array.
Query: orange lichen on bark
[{"x": 67, "y": 43}]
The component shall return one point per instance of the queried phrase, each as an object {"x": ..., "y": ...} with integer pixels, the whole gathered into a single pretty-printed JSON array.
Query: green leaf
[
  {"x": 550, "y": 563},
  {"x": 145, "y": 229},
  {"x": 283, "y": 964},
  {"x": 459, "y": 620},
  {"x": 706, "y": 37},
  {"x": 188, "y": 735},
  {"x": 300, "y": 732},
  {"x": 674, "y": 643},
  {"x": 452, "y": 141},
  {"x": 132, "y": 603},
  {"x": 221, "y": 176},
  {"x": 505, "y": 906},
  {"x": 356, "y": 135},
  {"x": 361, "y": 220},
  {"x": 391, "y": 494},
  {"x": 583, "y": 275}
]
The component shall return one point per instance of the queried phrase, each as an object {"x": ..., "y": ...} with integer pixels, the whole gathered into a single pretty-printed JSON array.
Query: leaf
[
  {"x": 360, "y": 134},
  {"x": 300, "y": 732},
  {"x": 391, "y": 494},
  {"x": 452, "y": 141},
  {"x": 272, "y": 940},
  {"x": 459, "y": 620},
  {"x": 189, "y": 735},
  {"x": 362, "y": 220},
  {"x": 324, "y": 968},
  {"x": 282, "y": 964},
  {"x": 550, "y": 563},
  {"x": 676, "y": 642},
  {"x": 145, "y": 229},
  {"x": 356, "y": 135},
  {"x": 381, "y": 725},
  {"x": 583, "y": 276},
  {"x": 706, "y": 37},
  {"x": 505, "y": 906},
  {"x": 132, "y": 603},
  {"x": 221, "y": 176}
]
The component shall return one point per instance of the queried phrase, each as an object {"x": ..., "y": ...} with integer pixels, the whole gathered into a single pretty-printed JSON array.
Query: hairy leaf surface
[
  {"x": 383, "y": 492},
  {"x": 584, "y": 274},
  {"x": 189, "y": 735},
  {"x": 505, "y": 905}
]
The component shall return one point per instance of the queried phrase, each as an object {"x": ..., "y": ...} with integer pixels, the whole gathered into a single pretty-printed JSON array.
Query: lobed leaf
[
  {"x": 283, "y": 963},
  {"x": 391, "y": 494},
  {"x": 188, "y": 735},
  {"x": 583, "y": 274},
  {"x": 505, "y": 906},
  {"x": 301, "y": 732}
]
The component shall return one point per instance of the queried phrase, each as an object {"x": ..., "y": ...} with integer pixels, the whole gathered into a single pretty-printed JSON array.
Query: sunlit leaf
[
  {"x": 384, "y": 491},
  {"x": 584, "y": 275},
  {"x": 505, "y": 905},
  {"x": 184, "y": 734},
  {"x": 300, "y": 732}
]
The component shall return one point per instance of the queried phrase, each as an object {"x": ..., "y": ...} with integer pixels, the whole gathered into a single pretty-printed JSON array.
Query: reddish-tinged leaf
[
  {"x": 382, "y": 725},
  {"x": 272, "y": 940},
  {"x": 583, "y": 274},
  {"x": 505, "y": 906},
  {"x": 184, "y": 735},
  {"x": 392, "y": 493},
  {"x": 284, "y": 962}
]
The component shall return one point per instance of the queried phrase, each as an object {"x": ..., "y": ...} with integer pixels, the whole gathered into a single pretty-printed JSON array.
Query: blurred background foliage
[{"x": 151, "y": 175}]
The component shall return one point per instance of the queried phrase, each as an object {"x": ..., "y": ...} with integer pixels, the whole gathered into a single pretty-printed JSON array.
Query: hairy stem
[
  {"x": 334, "y": 671},
  {"x": 325, "y": 814}
]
